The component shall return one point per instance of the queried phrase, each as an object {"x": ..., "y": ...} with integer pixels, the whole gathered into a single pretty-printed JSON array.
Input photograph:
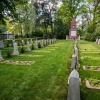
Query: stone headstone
[
  {"x": 31, "y": 42},
  {"x": 98, "y": 41},
  {"x": 13, "y": 42},
  {"x": 73, "y": 61},
  {"x": 50, "y": 41},
  {"x": 55, "y": 40},
  {"x": 1, "y": 44},
  {"x": 1, "y": 58},
  {"x": 45, "y": 42},
  {"x": 42, "y": 44},
  {"x": 23, "y": 43},
  {"x": 15, "y": 50},
  {"x": 74, "y": 86},
  {"x": 76, "y": 51},
  {"x": 28, "y": 46},
  {"x": 36, "y": 44}
]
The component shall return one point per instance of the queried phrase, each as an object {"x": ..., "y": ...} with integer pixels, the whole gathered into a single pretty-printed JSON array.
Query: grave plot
[
  {"x": 90, "y": 58},
  {"x": 18, "y": 62},
  {"x": 43, "y": 80},
  {"x": 89, "y": 54},
  {"x": 92, "y": 68},
  {"x": 44, "y": 51},
  {"x": 93, "y": 84},
  {"x": 37, "y": 55},
  {"x": 51, "y": 49}
]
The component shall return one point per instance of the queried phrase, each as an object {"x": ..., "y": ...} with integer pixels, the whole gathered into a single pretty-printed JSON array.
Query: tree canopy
[{"x": 44, "y": 17}]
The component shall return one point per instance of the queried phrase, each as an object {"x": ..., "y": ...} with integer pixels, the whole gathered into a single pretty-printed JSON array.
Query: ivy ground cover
[
  {"x": 89, "y": 55},
  {"x": 45, "y": 79}
]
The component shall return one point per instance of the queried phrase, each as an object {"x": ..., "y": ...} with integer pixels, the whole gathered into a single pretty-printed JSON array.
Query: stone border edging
[
  {"x": 84, "y": 67},
  {"x": 91, "y": 87}
]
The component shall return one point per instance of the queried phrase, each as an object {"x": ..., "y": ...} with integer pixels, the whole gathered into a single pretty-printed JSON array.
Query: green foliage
[
  {"x": 39, "y": 45},
  {"x": 92, "y": 52},
  {"x": 40, "y": 81},
  {"x": 93, "y": 36},
  {"x": 32, "y": 47},
  {"x": 22, "y": 50},
  {"x": 8, "y": 53}
]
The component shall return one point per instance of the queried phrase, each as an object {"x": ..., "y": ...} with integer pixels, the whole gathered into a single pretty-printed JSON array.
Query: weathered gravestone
[
  {"x": 1, "y": 58},
  {"x": 73, "y": 61},
  {"x": 76, "y": 51},
  {"x": 23, "y": 43},
  {"x": 74, "y": 86},
  {"x": 36, "y": 44},
  {"x": 1, "y": 44},
  {"x": 15, "y": 50},
  {"x": 31, "y": 42},
  {"x": 98, "y": 41},
  {"x": 49, "y": 41},
  {"x": 45, "y": 43},
  {"x": 42, "y": 44},
  {"x": 28, "y": 46},
  {"x": 13, "y": 42}
]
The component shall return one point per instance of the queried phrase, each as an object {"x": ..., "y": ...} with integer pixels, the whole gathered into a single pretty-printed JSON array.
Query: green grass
[
  {"x": 44, "y": 80},
  {"x": 90, "y": 52}
]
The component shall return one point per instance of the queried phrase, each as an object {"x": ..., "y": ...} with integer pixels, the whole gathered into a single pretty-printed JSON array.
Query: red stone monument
[{"x": 73, "y": 31}]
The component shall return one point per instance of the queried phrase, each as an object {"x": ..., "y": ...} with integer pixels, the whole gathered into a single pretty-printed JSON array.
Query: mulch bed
[
  {"x": 91, "y": 84},
  {"x": 18, "y": 62},
  {"x": 93, "y": 68},
  {"x": 32, "y": 55}
]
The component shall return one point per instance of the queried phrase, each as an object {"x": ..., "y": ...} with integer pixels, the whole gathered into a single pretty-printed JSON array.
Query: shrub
[
  {"x": 39, "y": 45},
  {"x": 32, "y": 47},
  {"x": 8, "y": 55},
  {"x": 22, "y": 50}
]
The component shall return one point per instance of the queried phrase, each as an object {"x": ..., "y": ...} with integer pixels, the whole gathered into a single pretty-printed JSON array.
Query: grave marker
[
  {"x": 73, "y": 62},
  {"x": 28, "y": 46},
  {"x": 15, "y": 51},
  {"x": 98, "y": 41},
  {"x": 1, "y": 58},
  {"x": 23, "y": 43},
  {"x": 36, "y": 44},
  {"x": 1, "y": 44},
  {"x": 13, "y": 42},
  {"x": 42, "y": 43},
  {"x": 74, "y": 86},
  {"x": 31, "y": 42}
]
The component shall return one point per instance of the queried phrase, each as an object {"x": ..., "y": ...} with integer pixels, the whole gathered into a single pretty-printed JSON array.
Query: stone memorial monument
[
  {"x": 1, "y": 44},
  {"x": 73, "y": 31},
  {"x": 15, "y": 51}
]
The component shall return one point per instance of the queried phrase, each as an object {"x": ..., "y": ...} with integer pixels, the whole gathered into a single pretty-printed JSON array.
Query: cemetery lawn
[
  {"x": 89, "y": 55},
  {"x": 46, "y": 79}
]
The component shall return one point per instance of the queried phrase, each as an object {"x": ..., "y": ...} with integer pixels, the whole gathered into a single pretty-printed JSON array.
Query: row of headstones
[
  {"x": 48, "y": 41},
  {"x": 43, "y": 43},
  {"x": 98, "y": 41},
  {"x": 74, "y": 83}
]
